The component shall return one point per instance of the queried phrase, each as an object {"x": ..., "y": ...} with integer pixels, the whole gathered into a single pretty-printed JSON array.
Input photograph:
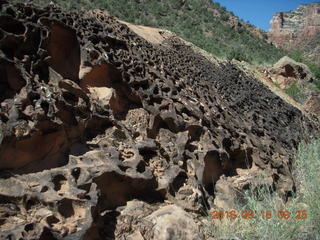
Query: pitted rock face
[
  {"x": 287, "y": 71},
  {"x": 94, "y": 116}
]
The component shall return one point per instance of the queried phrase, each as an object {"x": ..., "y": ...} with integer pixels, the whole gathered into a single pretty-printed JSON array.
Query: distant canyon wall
[{"x": 288, "y": 29}]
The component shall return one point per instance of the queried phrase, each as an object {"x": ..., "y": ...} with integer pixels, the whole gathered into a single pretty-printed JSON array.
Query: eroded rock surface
[
  {"x": 105, "y": 135},
  {"x": 287, "y": 71}
]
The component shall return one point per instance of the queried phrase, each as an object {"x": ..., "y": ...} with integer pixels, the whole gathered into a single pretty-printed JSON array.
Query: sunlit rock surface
[{"x": 103, "y": 131}]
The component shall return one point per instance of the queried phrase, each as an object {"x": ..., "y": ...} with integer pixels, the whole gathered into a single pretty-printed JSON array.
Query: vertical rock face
[{"x": 289, "y": 28}]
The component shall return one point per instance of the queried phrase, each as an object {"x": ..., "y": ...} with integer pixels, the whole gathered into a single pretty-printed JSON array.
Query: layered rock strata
[{"x": 288, "y": 29}]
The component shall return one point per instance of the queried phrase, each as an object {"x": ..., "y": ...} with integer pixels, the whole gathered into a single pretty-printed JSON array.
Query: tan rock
[
  {"x": 171, "y": 222},
  {"x": 288, "y": 28}
]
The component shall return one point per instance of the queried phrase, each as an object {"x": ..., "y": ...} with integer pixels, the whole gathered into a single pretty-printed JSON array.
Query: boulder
[{"x": 287, "y": 71}]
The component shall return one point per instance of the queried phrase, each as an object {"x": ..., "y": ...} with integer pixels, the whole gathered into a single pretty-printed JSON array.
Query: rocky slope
[
  {"x": 310, "y": 50},
  {"x": 297, "y": 27},
  {"x": 105, "y": 135},
  {"x": 202, "y": 22}
]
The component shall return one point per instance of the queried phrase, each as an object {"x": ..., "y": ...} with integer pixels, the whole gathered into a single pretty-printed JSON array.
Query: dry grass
[{"x": 307, "y": 198}]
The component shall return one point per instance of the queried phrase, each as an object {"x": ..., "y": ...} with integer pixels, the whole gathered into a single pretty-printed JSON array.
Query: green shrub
[
  {"x": 297, "y": 56},
  {"x": 224, "y": 17},
  {"x": 307, "y": 168},
  {"x": 295, "y": 92},
  {"x": 238, "y": 54},
  {"x": 315, "y": 69},
  {"x": 259, "y": 200},
  {"x": 277, "y": 84},
  {"x": 189, "y": 23},
  {"x": 317, "y": 83}
]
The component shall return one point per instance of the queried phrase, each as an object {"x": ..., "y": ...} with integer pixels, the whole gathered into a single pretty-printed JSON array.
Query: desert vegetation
[
  {"x": 297, "y": 219},
  {"x": 204, "y": 23}
]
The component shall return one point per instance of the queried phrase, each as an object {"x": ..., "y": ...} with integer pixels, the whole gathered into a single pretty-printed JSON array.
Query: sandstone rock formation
[
  {"x": 105, "y": 135},
  {"x": 287, "y": 71},
  {"x": 288, "y": 29}
]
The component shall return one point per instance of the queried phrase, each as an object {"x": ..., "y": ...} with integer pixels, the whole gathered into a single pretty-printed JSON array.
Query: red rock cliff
[{"x": 287, "y": 29}]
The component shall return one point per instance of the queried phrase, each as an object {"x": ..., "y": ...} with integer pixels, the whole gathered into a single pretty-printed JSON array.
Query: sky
[{"x": 259, "y": 12}]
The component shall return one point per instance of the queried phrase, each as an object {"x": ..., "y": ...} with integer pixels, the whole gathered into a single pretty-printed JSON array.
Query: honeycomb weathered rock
[{"x": 93, "y": 116}]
